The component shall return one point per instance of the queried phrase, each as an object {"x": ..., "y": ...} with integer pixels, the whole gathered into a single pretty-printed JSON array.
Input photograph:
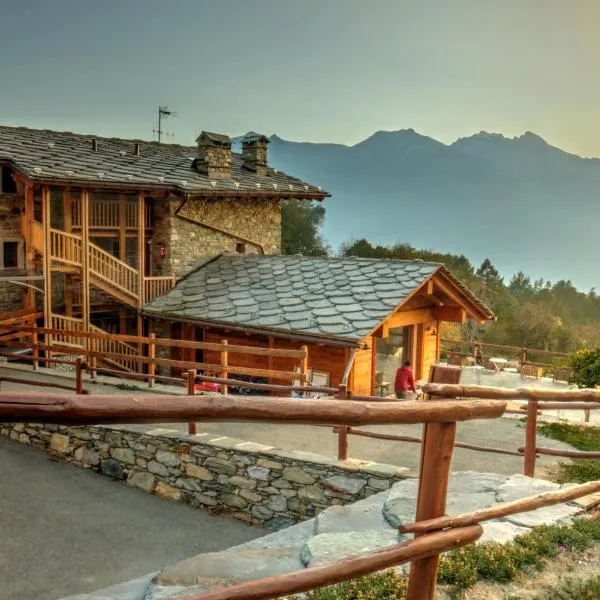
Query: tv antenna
[{"x": 163, "y": 113}]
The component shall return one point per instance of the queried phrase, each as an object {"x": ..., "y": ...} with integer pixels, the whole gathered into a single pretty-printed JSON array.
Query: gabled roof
[
  {"x": 68, "y": 158},
  {"x": 342, "y": 298}
]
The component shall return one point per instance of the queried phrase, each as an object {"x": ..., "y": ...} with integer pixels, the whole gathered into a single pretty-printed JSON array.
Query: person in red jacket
[{"x": 405, "y": 381}]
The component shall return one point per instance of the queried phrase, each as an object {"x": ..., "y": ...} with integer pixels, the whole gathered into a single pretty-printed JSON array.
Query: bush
[
  {"x": 583, "y": 438},
  {"x": 574, "y": 590},
  {"x": 586, "y": 368},
  {"x": 387, "y": 585}
]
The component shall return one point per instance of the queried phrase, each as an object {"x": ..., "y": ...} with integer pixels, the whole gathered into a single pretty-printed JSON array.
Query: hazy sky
[{"x": 318, "y": 70}]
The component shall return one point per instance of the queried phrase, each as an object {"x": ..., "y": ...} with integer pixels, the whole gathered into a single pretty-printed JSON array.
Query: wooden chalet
[
  {"x": 385, "y": 311},
  {"x": 92, "y": 228}
]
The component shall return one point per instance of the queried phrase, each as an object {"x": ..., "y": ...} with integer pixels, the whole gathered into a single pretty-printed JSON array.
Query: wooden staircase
[
  {"x": 70, "y": 338},
  {"x": 108, "y": 274}
]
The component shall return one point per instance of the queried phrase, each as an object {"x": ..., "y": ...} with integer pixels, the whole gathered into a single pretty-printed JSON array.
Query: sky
[{"x": 310, "y": 70}]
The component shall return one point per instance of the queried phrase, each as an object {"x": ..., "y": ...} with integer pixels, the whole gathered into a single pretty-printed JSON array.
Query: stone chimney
[
  {"x": 254, "y": 153},
  {"x": 214, "y": 155}
]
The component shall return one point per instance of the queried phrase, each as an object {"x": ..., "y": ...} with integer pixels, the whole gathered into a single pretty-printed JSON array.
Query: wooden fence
[
  {"x": 463, "y": 351},
  {"x": 434, "y": 532},
  {"x": 95, "y": 347}
]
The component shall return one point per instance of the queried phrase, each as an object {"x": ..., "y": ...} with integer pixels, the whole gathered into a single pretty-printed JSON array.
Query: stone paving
[{"x": 343, "y": 531}]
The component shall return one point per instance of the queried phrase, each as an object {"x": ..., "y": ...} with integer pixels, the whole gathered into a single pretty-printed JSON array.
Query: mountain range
[{"x": 521, "y": 202}]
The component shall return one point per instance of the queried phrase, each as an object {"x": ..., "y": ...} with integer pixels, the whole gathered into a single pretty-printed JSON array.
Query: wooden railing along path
[
  {"x": 477, "y": 350},
  {"x": 434, "y": 532}
]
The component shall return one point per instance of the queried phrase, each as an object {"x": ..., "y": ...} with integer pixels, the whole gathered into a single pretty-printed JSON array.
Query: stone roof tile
[{"x": 321, "y": 300}]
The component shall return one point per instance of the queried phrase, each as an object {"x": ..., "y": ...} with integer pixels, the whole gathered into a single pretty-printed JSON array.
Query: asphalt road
[{"x": 65, "y": 530}]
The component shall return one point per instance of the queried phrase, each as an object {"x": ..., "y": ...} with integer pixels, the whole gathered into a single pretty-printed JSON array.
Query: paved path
[
  {"x": 503, "y": 433},
  {"x": 64, "y": 530}
]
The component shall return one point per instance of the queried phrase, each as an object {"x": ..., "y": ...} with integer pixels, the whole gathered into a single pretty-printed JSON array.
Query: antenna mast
[{"x": 163, "y": 113}]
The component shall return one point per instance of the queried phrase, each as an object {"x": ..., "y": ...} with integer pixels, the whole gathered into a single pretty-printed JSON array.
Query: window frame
[{"x": 20, "y": 253}]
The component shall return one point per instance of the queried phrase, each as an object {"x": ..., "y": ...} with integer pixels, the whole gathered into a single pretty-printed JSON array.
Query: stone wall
[
  {"x": 186, "y": 243},
  {"x": 248, "y": 481},
  {"x": 11, "y": 206}
]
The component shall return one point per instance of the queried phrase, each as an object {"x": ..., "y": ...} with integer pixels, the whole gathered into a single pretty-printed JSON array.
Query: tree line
[{"x": 531, "y": 312}]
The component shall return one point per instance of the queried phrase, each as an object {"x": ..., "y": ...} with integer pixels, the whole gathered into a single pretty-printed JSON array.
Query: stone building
[{"x": 93, "y": 228}]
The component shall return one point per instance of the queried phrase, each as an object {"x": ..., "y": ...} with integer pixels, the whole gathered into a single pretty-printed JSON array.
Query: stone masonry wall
[
  {"x": 11, "y": 205},
  {"x": 187, "y": 243},
  {"x": 248, "y": 481}
]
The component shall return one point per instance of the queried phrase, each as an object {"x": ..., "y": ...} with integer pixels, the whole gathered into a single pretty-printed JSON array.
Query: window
[
  {"x": 7, "y": 183},
  {"x": 11, "y": 254},
  {"x": 240, "y": 248}
]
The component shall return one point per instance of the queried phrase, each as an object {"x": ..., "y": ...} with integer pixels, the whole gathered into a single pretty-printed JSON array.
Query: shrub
[
  {"x": 387, "y": 585},
  {"x": 574, "y": 590},
  {"x": 586, "y": 368}
]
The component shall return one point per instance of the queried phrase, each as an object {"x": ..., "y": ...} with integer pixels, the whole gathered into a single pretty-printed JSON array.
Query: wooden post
[
  {"x": 224, "y": 364},
  {"x": 304, "y": 366},
  {"x": 342, "y": 430},
  {"x": 436, "y": 456},
  {"x": 475, "y": 353},
  {"x": 152, "y": 355},
  {"x": 122, "y": 229},
  {"x": 530, "y": 439},
  {"x": 93, "y": 359},
  {"x": 78, "y": 376},
  {"x": 523, "y": 355},
  {"x": 34, "y": 347},
  {"x": 587, "y": 415},
  {"x": 191, "y": 390},
  {"x": 47, "y": 269},
  {"x": 85, "y": 254},
  {"x": 140, "y": 260}
]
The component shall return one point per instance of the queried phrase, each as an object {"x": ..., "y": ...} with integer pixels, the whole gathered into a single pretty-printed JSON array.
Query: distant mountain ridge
[{"x": 520, "y": 201}]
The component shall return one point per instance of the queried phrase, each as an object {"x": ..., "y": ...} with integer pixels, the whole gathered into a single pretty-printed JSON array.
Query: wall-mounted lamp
[
  {"x": 162, "y": 249},
  {"x": 431, "y": 331}
]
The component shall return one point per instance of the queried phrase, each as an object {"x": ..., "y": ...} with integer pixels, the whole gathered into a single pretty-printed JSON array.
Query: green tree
[{"x": 301, "y": 222}]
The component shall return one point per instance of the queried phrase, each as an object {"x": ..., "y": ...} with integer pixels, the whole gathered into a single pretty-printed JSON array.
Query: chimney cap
[
  {"x": 252, "y": 136},
  {"x": 218, "y": 139}
]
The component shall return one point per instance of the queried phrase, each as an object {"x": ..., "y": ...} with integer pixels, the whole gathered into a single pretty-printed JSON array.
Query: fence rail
[
  {"x": 438, "y": 416},
  {"x": 476, "y": 351}
]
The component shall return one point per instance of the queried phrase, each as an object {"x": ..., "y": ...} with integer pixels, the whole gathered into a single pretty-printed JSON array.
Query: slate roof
[
  {"x": 334, "y": 297},
  {"x": 63, "y": 157}
]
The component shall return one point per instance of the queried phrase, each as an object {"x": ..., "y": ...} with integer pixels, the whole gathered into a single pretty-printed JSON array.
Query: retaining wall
[{"x": 248, "y": 481}]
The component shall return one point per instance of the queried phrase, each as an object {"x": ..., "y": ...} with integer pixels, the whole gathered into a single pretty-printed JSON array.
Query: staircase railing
[
  {"x": 67, "y": 324},
  {"x": 105, "y": 345},
  {"x": 66, "y": 247},
  {"x": 114, "y": 271},
  {"x": 157, "y": 286}
]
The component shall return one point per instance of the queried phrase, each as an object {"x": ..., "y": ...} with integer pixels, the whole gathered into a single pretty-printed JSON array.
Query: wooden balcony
[{"x": 106, "y": 214}]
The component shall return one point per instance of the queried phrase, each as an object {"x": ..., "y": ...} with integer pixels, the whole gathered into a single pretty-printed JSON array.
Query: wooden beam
[
  {"x": 140, "y": 261},
  {"x": 459, "y": 298},
  {"x": 123, "y": 229},
  {"x": 453, "y": 314},
  {"x": 348, "y": 568},
  {"x": 85, "y": 254},
  {"x": 157, "y": 408},
  {"x": 481, "y": 391},
  {"x": 504, "y": 510},
  {"x": 47, "y": 258},
  {"x": 404, "y": 318}
]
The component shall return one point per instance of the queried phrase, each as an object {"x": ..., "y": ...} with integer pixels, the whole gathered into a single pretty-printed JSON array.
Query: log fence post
[
  {"x": 436, "y": 455},
  {"x": 78, "y": 376},
  {"x": 342, "y": 430},
  {"x": 152, "y": 356},
  {"x": 190, "y": 376},
  {"x": 224, "y": 364},
  {"x": 529, "y": 454}
]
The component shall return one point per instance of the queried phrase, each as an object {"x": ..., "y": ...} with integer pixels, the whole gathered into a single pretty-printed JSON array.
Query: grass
[
  {"x": 582, "y": 438},
  {"x": 573, "y": 589},
  {"x": 463, "y": 568}
]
